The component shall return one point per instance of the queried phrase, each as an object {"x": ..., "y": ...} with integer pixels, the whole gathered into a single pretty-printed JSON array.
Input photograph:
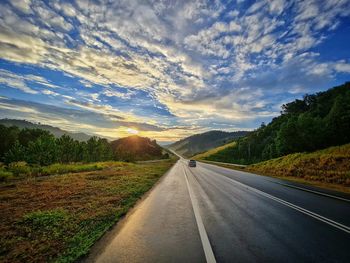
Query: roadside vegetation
[
  {"x": 328, "y": 168},
  {"x": 20, "y": 170},
  {"x": 58, "y": 218},
  {"x": 41, "y": 148},
  {"x": 210, "y": 152}
]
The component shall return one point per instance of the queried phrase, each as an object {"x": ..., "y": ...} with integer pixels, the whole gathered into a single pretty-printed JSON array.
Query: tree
[
  {"x": 43, "y": 151},
  {"x": 338, "y": 120},
  {"x": 8, "y": 137},
  {"x": 66, "y": 149},
  {"x": 16, "y": 153}
]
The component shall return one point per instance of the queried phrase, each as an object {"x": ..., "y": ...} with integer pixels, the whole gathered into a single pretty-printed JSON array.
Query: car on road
[{"x": 192, "y": 163}]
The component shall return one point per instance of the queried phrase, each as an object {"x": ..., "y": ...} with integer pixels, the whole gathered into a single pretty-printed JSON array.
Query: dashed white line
[{"x": 208, "y": 251}]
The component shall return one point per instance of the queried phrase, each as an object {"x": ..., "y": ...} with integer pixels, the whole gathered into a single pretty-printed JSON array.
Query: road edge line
[
  {"x": 312, "y": 191},
  {"x": 285, "y": 184},
  {"x": 208, "y": 251},
  {"x": 293, "y": 206}
]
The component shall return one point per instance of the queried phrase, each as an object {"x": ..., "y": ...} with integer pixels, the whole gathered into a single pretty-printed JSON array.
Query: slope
[
  {"x": 316, "y": 122},
  {"x": 136, "y": 148},
  {"x": 57, "y": 132},
  {"x": 204, "y": 155},
  {"x": 202, "y": 142}
]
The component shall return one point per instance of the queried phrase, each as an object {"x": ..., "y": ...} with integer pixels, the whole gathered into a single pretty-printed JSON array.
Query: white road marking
[
  {"x": 312, "y": 191},
  {"x": 208, "y": 251},
  {"x": 298, "y": 208},
  {"x": 293, "y": 186}
]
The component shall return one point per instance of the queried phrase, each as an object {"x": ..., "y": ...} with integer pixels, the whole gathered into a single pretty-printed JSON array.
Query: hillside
[
  {"x": 57, "y": 132},
  {"x": 329, "y": 166},
  {"x": 316, "y": 122},
  {"x": 136, "y": 148},
  {"x": 210, "y": 152},
  {"x": 202, "y": 142}
]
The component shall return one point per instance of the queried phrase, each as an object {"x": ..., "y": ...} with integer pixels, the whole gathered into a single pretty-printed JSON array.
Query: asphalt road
[{"x": 210, "y": 213}]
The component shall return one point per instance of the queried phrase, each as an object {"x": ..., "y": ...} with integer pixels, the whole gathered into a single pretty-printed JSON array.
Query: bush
[
  {"x": 5, "y": 175},
  {"x": 19, "y": 168}
]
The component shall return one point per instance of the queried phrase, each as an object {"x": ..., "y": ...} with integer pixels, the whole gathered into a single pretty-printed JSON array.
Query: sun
[{"x": 132, "y": 131}]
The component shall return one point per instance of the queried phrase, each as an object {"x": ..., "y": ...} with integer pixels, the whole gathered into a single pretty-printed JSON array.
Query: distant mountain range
[
  {"x": 57, "y": 132},
  {"x": 136, "y": 148},
  {"x": 202, "y": 142}
]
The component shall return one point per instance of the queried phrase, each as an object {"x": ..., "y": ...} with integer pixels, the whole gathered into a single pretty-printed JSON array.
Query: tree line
[
  {"x": 36, "y": 146},
  {"x": 315, "y": 122}
]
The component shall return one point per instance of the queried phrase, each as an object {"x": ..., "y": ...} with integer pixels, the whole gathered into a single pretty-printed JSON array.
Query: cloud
[
  {"x": 14, "y": 81},
  {"x": 193, "y": 61}
]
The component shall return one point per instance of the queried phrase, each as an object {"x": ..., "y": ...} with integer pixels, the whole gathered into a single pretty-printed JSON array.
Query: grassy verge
[
  {"x": 213, "y": 151},
  {"x": 328, "y": 168},
  {"x": 59, "y": 218},
  {"x": 20, "y": 170}
]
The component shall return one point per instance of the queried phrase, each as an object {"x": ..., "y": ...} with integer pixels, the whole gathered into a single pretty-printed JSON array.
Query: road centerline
[{"x": 208, "y": 251}]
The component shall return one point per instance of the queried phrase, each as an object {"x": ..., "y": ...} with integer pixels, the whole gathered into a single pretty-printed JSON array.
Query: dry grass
[
  {"x": 331, "y": 166},
  {"x": 58, "y": 218},
  {"x": 328, "y": 168},
  {"x": 202, "y": 156}
]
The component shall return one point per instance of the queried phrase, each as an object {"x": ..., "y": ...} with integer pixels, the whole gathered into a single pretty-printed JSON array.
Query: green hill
[
  {"x": 57, "y": 132},
  {"x": 136, "y": 148},
  {"x": 202, "y": 142},
  {"x": 316, "y": 122}
]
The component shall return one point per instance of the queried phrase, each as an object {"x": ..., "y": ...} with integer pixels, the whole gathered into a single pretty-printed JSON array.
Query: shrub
[
  {"x": 19, "y": 168},
  {"x": 5, "y": 175}
]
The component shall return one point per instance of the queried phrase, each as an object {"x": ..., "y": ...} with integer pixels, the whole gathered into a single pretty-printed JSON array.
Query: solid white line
[
  {"x": 312, "y": 191},
  {"x": 296, "y": 187},
  {"x": 208, "y": 251},
  {"x": 295, "y": 207}
]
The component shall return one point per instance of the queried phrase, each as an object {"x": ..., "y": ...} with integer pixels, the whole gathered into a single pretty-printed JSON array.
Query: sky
[{"x": 167, "y": 69}]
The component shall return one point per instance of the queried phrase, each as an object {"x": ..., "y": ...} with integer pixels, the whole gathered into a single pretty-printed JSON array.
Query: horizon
[
  {"x": 167, "y": 70},
  {"x": 162, "y": 143}
]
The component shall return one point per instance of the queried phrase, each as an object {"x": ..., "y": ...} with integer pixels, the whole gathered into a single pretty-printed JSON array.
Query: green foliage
[
  {"x": 39, "y": 147},
  {"x": 136, "y": 148},
  {"x": 70, "y": 168},
  {"x": 5, "y": 175},
  {"x": 16, "y": 153},
  {"x": 19, "y": 168},
  {"x": 316, "y": 122},
  {"x": 45, "y": 220}
]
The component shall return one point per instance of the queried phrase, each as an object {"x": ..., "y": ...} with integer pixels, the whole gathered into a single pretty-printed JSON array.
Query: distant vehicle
[{"x": 192, "y": 163}]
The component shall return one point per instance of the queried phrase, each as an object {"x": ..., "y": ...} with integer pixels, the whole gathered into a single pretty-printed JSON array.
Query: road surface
[{"x": 214, "y": 214}]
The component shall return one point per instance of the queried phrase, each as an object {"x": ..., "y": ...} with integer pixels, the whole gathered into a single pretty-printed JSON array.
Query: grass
[
  {"x": 328, "y": 168},
  {"x": 58, "y": 218},
  {"x": 210, "y": 152},
  {"x": 20, "y": 170}
]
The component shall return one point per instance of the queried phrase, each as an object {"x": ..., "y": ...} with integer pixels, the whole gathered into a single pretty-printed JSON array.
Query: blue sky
[{"x": 167, "y": 69}]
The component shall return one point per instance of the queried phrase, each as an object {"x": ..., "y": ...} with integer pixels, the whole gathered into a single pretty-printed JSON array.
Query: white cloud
[
  {"x": 22, "y": 5},
  {"x": 180, "y": 53},
  {"x": 14, "y": 81},
  {"x": 342, "y": 67}
]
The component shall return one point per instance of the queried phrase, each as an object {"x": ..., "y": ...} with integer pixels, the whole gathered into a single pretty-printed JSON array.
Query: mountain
[
  {"x": 57, "y": 132},
  {"x": 202, "y": 142},
  {"x": 316, "y": 122},
  {"x": 136, "y": 148}
]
